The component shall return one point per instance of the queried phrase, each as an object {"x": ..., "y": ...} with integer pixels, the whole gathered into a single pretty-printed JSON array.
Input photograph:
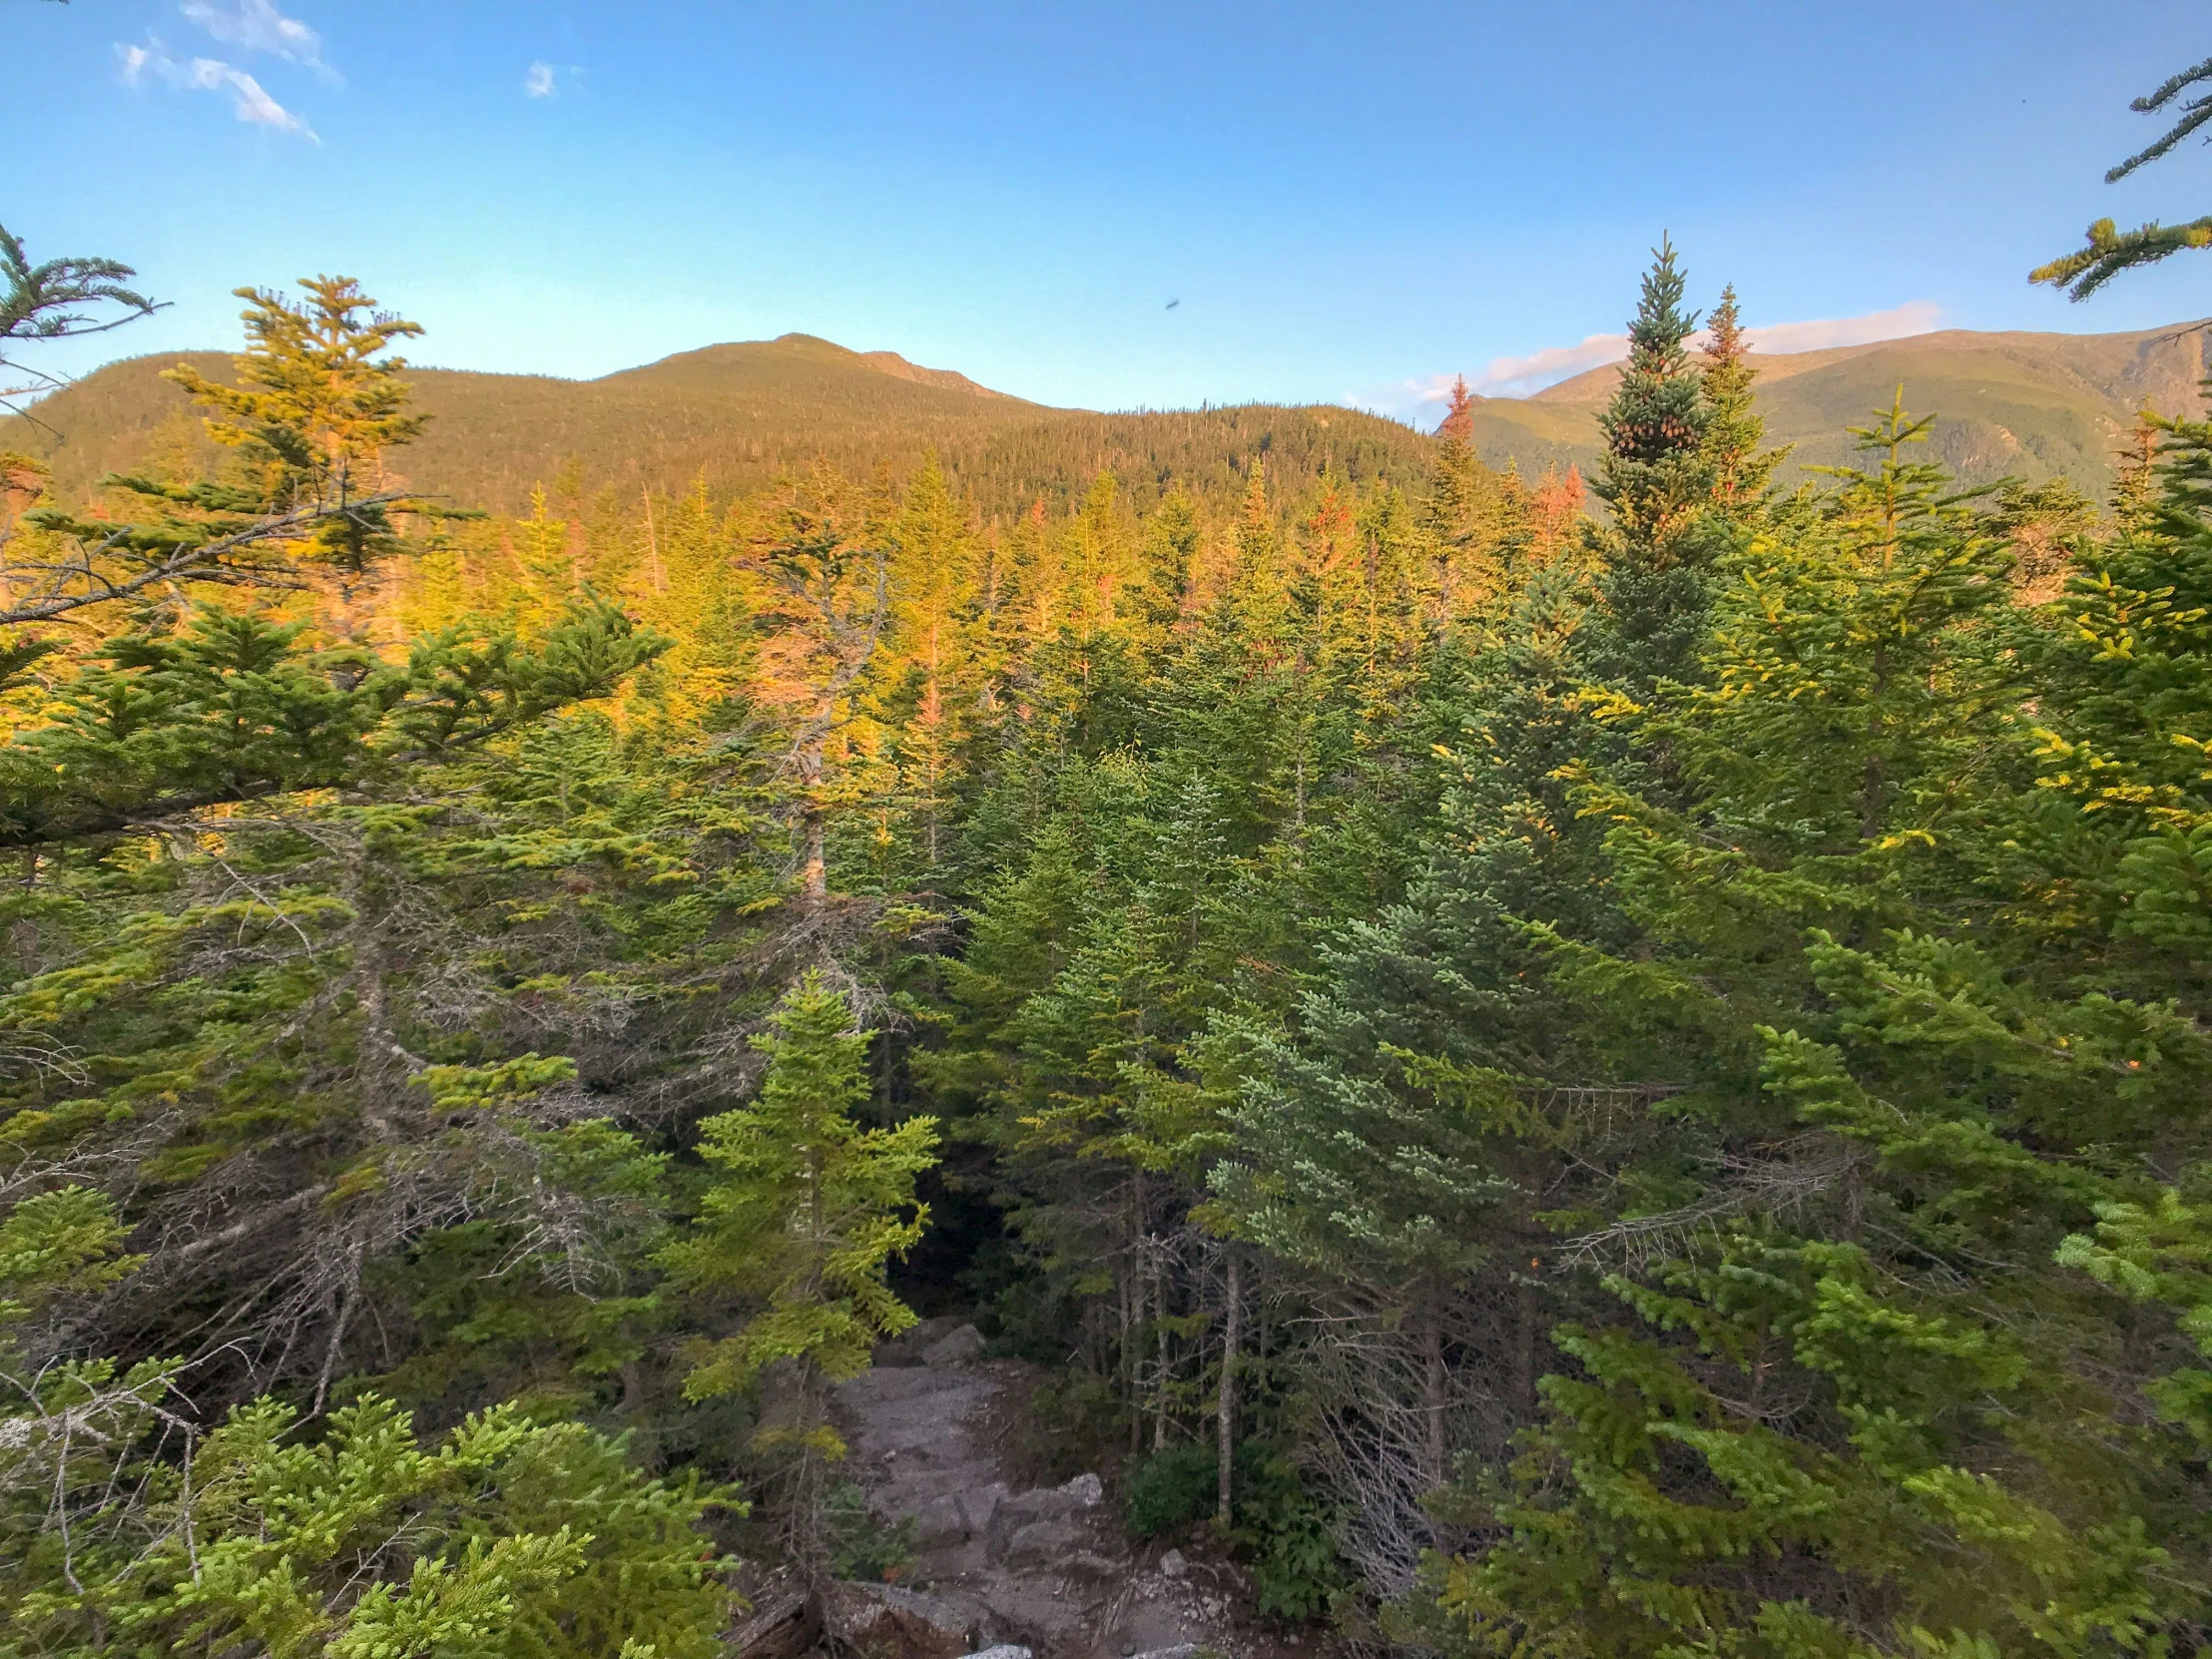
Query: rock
[
  {"x": 959, "y": 1347},
  {"x": 1014, "y": 1513},
  {"x": 1004, "y": 1650},
  {"x": 906, "y": 1348},
  {"x": 878, "y": 1621},
  {"x": 1181, "y": 1650},
  {"x": 1085, "y": 1490},
  {"x": 778, "y": 1629},
  {"x": 977, "y": 1507},
  {"x": 1173, "y": 1564},
  {"x": 940, "y": 1524},
  {"x": 1041, "y": 1543},
  {"x": 1022, "y": 1606}
]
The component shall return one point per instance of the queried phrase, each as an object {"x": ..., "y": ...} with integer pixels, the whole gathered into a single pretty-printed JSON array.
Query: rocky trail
[{"x": 996, "y": 1566}]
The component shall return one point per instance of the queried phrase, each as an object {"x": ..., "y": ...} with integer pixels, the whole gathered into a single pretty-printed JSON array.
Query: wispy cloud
[
  {"x": 1915, "y": 316},
  {"x": 1519, "y": 376},
  {"x": 257, "y": 25},
  {"x": 249, "y": 101},
  {"x": 550, "y": 80},
  {"x": 1423, "y": 395}
]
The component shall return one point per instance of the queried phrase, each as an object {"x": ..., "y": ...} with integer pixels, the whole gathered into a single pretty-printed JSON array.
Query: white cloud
[
  {"x": 1420, "y": 399},
  {"x": 258, "y": 26},
  {"x": 249, "y": 101},
  {"x": 540, "y": 82},
  {"x": 1915, "y": 316},
  {"x": 1519, "y": 376}
]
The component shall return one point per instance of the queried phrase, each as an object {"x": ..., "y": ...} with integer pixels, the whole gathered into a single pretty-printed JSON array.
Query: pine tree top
[
  {"x": 1458, "y": 421},
  {"x": 1654, "y": 413}
]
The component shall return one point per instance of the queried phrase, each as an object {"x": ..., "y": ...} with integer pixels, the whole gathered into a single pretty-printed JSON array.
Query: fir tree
[
  {"x": 1741, "y": 471},
  {"x": 315, "y": 407},
  {"x": 318, "y": 402},
  {"x": 804, "y": 1216},
  {"x": 2111, "y": 250},
  {"x": 56, "y": 299},
  {"x": 1839, "y": 1419},
  {"x": 1657, "y": 478},
  {"x": 818, "y": 606},
  {"x": 1654, "y": 476}
]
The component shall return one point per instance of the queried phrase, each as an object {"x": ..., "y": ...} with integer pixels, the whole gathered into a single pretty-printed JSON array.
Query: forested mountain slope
[
  {"x": 2032, "y": 405},
  {"x": 736, "y": 416}
]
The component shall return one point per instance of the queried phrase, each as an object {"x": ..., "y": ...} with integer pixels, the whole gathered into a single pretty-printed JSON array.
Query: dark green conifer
[{"x": 1656, "y": 477}]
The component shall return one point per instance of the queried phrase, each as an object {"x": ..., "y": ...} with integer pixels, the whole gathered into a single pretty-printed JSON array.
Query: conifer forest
[{"x": 1471, "y": 1061}]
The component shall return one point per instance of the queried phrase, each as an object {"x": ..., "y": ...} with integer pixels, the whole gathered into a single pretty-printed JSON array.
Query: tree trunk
[
  {"x": 1432, "y": 1383},
  {"x": 654, "y": 572},
  {"x": 1524, "y": 1348},
  {"x": 813, "y": 874},
  {"x": 1225, "y": 1415},
  {"x": 1128, "y": 1356},
  {"x": 1160, "y": 1376}
]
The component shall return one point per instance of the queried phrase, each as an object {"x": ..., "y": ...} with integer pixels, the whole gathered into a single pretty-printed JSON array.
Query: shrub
[
  {"x": 860, "y": 1546},
  {"x": 1283, "y": 1534}
]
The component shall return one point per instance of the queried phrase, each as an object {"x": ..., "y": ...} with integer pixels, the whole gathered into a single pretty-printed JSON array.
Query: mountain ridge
[{"x": 735, "y": 413}]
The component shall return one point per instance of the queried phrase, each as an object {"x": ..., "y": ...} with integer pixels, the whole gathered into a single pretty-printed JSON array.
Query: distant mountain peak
[
  {"x": 891, "y": 363},
  {"x": 803, "y": 355}
]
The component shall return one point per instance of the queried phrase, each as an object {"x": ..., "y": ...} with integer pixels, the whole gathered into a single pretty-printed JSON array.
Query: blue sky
[{"x": 1349, "y": 200}]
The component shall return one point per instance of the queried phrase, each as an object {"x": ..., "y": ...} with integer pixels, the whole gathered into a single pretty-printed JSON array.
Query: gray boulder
[
  {"x": 1046, "y": 1503},
  {"x": 881, "y": 1621},
  {"x": 963, "y": 1347},
  {"x": 1041, "y": 1543},
  {"x": 978, "y": 1506},
  {"x": 1023, "y": 1510},
  {"x": 940, "y": 1524},
  {"x": 906, "y": 1348}
]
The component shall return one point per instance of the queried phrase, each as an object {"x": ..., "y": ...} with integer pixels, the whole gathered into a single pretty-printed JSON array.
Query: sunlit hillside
[
  {"x": 2032, "y": 405},
  {"x": 738, "y": 414}
]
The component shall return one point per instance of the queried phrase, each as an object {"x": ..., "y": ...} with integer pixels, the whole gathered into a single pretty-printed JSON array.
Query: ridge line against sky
[
  {"x": 1205, "y": 201},
  {"x": 1523, "y": 376}
]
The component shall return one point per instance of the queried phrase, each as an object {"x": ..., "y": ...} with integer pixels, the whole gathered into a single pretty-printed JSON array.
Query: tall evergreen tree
[
  {"x": 1656, "y": 477},
  {"x": 820, "y": 604},
  {"x": 1741, "y": 471},
  {"x": 1850, "y": 1409},
  {"x": 804, "y": 1214}
]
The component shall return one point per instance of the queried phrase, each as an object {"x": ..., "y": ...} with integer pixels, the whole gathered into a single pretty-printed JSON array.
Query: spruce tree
[
  {"x": 1741, "y": 472},
  {"x": 1656, "y": 477},
  {"x": 318, "y": 402},
  {"x": 800, "y": 1221},
  {"x": 1923, "y": 971}
]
